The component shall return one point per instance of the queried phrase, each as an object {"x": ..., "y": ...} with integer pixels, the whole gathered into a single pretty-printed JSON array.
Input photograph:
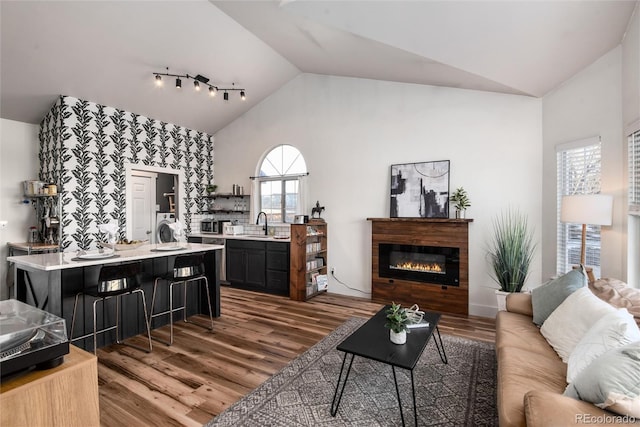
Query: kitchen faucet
[{"x": 266, "y": 228}]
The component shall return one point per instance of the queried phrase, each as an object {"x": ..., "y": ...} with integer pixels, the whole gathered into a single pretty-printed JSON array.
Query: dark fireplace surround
[
  {"x": 426, "y": 264},
  {"x": 422, "y": 261}
]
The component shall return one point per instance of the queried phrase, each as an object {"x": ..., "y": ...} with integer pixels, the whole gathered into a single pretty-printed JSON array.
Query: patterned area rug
[{"x": 462, "y": 393}]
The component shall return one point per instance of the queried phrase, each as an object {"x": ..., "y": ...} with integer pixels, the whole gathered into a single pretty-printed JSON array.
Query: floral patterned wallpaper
[{"x": 84, "y": 148}]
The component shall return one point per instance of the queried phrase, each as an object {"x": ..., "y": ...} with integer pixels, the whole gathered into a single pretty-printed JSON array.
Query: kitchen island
[{"x": 51, "y": 281}]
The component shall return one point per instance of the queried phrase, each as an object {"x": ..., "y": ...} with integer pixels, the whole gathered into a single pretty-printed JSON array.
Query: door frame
[{"x": 130, "y": 170}]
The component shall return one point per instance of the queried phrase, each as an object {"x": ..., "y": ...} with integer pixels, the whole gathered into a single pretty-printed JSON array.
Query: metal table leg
[
  {"x": 440, "y": 347},
  {"x": 395, "y": 380},
  {"x": 335, "y": 404}
]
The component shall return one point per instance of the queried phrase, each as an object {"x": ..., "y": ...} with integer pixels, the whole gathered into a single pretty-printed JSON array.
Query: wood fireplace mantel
[{"x": 441, "y": 232}]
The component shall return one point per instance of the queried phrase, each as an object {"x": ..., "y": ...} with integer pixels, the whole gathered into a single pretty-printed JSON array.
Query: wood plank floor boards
[{"x": 204, "y": 372}]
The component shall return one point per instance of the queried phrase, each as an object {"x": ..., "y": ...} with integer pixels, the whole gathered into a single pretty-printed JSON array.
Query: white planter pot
[
  {"x": 460, "y": 214},
  {"x": 501, "y": 297},
  {"x": 398, "y": 338}
]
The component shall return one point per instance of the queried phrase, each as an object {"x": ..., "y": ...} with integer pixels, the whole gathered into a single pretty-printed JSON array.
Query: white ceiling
[{"x": 107, "y": 51}]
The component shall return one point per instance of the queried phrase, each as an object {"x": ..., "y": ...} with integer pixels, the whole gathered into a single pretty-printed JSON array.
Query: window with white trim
[
  {"x": 279, "y": 183},
  {"x": 579, "y": 171},
  {"x": 633, "y": 223}
]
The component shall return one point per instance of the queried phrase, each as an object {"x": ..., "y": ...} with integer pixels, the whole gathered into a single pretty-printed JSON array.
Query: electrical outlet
[
  {"x": 333, "y": 271},
  {"x": 3, "y": 224}
]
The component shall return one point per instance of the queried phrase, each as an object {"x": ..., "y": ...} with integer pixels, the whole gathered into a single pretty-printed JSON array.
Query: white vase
[
  {"x": 501, "y": 297},
  {"x": 398, "y": 338},
  {"x": 460, "y": 214}
]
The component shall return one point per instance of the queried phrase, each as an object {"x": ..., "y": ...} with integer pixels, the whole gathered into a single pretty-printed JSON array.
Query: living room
[{"x": 351, "y": 129}]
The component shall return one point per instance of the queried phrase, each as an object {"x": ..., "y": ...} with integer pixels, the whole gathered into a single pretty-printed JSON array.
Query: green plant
[
  {"x": 397, "y": 319},
  {"x": 511, "y": 250},
  {"x": 211, "y": 188},
  {"x": 460, "y": 199}
]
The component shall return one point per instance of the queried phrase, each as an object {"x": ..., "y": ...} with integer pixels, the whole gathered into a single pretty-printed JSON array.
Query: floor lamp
[{"x": 594, "y": 209}]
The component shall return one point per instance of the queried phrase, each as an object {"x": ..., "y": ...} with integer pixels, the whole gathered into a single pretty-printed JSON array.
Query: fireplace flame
[{"x": 417, "y": 266}]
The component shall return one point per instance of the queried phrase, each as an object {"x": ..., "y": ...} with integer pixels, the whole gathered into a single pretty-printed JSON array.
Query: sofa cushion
[
  {"x": 546, "y": 298},
  {"x": 520, "y": 302},
  {"x": 520, "y": 371},
  {"x": 518, "y": 331},
  {"x": 613, "y": 330},
  {"x": 612, "y": 381},
  {"x": 618, "y": 294},
  {"x": 566, "y": 326},
  {"x": 544, "y": 409}
]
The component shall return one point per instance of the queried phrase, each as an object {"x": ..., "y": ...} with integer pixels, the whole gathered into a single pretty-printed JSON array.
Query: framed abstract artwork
[{"x": 420, "y": 190}]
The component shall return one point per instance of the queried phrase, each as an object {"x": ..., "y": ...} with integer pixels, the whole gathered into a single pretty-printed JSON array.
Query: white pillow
[
  {"x": 568, "y": 323},
  {"x": 613, "y": 330}
]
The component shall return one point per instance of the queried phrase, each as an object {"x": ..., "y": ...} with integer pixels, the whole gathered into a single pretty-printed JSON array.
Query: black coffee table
[{"x": 371, "y": 341}]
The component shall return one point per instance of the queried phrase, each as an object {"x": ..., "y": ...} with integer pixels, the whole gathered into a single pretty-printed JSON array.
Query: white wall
[
  {"x": 18, "y": 162},
  {"x": 352, "y": 130},
  {"x": 588, "y": 104}
]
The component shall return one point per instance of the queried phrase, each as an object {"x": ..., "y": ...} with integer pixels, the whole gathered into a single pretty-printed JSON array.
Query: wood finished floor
[{"x": 205, "y": 372}]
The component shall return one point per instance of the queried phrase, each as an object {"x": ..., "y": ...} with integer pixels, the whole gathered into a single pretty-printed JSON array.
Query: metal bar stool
[
  {"x": 186, "y": 269},
  {"x": 113, "y": 281}
]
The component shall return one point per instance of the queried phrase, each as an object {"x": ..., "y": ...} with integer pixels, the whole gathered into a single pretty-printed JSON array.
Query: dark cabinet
[{"x": 258, "y": 265}]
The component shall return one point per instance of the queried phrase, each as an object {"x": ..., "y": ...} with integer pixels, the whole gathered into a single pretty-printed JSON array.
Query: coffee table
[{"x": 371, "y": 341}]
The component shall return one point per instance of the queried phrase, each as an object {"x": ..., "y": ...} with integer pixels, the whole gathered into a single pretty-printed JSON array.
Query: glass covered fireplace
[{"x": 427, "y": 264}]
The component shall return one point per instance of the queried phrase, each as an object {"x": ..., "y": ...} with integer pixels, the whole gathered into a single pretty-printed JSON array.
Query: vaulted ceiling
[{"x": 107, "y": 51}]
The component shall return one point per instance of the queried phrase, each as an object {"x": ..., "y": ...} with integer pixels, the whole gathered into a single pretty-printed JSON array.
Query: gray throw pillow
[
  {"x": 612, "y": 381},
  {"x": 546, "y": 298}
]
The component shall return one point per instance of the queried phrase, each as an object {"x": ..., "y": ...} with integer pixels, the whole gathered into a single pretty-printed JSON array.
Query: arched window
[{"x": 280, "y": 184}]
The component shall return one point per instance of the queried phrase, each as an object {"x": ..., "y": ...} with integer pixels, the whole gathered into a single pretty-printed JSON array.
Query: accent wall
[{"x": 85, "y": 147}]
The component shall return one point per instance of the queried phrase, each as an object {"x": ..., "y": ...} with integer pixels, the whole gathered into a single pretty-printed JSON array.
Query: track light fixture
[{"x": 197, "y": 81}]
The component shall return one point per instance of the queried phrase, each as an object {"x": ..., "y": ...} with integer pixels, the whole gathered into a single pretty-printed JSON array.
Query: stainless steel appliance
[
  {"x": 223, "y": 258},
  {"x": 30, "y": 337},
  {"x": 209, "y": 226}
]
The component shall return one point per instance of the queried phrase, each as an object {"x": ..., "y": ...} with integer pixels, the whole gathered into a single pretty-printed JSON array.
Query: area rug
[{"x": 462, "y": 393}]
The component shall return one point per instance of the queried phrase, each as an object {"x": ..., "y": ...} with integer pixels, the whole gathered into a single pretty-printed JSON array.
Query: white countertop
[
  {"x": 63, "y": 260},
  {"x": 259, "y": 238}
]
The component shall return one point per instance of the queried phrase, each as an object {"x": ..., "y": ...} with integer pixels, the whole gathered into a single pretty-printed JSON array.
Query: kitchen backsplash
[{"x": 84, "y": 147}]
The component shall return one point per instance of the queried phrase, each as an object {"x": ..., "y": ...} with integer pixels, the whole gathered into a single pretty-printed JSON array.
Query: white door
[{"x": 142, "y": 207}]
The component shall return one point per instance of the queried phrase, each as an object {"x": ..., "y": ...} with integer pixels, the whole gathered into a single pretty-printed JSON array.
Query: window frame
[
  {"x": 283, "y": 179},
  {"x": 568, "y": 243}
]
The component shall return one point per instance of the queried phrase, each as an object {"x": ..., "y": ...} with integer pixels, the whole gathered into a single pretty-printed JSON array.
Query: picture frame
[{"x": 420, "y": 190}]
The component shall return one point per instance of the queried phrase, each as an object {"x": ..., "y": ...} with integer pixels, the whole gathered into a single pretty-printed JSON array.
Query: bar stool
[
  {"x": 113, "y": 281},
  {"x": 186, "y": 269}
]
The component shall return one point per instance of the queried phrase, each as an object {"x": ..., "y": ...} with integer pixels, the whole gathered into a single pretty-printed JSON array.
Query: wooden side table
[{"x": 63, "y": 396}]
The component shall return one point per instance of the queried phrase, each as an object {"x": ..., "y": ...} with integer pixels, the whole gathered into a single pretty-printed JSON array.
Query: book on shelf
[{"x": 322, "y": 282}]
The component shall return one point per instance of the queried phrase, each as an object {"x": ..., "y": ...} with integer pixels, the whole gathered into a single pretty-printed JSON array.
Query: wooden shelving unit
[{"x": 308, "y": 247}]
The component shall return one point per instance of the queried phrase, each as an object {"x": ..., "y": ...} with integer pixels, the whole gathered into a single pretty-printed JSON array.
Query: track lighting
[{"x": 197, "y": 82}]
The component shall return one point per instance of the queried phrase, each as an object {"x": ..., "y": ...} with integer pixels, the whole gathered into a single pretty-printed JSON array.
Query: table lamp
[{"x": 594, "y": 209}]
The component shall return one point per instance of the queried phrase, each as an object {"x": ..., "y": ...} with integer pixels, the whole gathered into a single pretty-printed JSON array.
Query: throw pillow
[
  {"x": 546, "y": 298},
  {"x": 568, "y": 323},
  {"x": 613, "y": 330},
  {"x": 612, "y": 381}
]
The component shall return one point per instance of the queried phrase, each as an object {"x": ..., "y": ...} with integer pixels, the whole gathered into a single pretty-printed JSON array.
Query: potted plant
[
  {"x": 211, "y": 188},
  {"x": 511, "y": 252},
  {"x": 461, "y": 202},
  {"x": 397, "y": 321}
]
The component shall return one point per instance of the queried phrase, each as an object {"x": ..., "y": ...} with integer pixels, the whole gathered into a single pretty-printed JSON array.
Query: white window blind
[
  {"x": 634, "y": 173},
  {"x": 579, "y": 171}
]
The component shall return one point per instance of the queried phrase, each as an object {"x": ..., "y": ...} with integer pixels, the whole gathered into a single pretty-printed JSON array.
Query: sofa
[{"x": 532, "y": 377}]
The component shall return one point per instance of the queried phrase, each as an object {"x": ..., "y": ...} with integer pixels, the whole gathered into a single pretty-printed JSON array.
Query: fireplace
[
  {"x": 422, "y": 261},
  {"x": 425, "y": 264}
]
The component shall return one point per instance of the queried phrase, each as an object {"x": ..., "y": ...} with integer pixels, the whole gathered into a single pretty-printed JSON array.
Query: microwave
[{"x": 211, "y": 226}]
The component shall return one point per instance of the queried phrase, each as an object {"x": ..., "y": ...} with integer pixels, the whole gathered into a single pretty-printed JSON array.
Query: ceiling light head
[
  {"x": 178, "y": 83},
  {"x": 196, "y": 85},
  {"x": 158, "y": 80},
  {"x": 242, "y": 95},
  {"x": 226, "y": 96},
  {"x": 212, "y": 91}
]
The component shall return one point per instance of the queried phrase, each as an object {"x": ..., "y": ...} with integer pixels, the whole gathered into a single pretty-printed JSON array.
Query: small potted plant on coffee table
[{"x": 397, "y": 321}]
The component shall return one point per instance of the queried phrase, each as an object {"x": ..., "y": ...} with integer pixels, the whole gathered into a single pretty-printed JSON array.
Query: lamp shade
[{"x": 595, "y": 209}]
